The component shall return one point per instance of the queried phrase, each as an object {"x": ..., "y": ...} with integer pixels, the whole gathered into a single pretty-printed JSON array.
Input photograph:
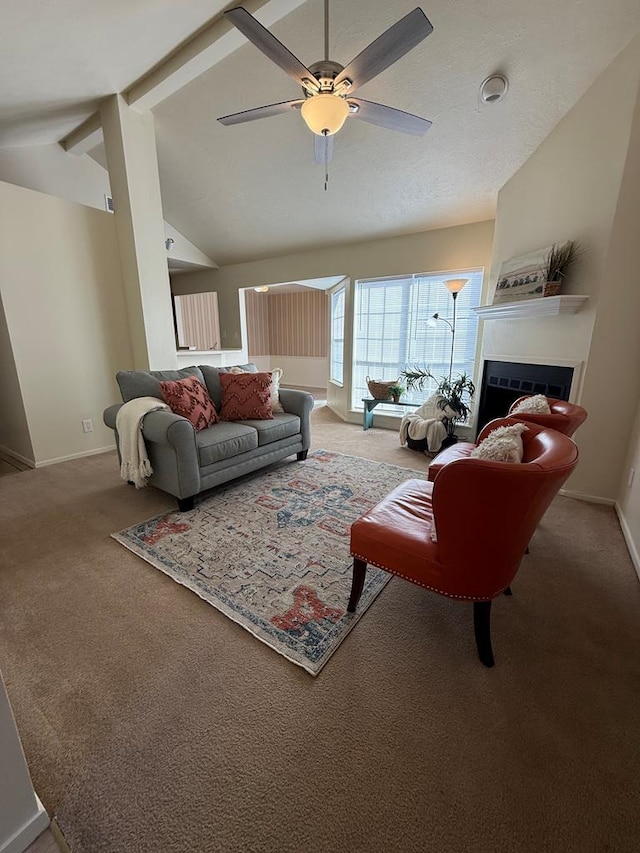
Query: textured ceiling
[{"x": 252, "y": 191}]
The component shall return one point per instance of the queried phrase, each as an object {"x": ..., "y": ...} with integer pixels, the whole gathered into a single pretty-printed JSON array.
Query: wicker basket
[
  {"x": 551, "y": 288},
  {"x": 380, "y": 390}
]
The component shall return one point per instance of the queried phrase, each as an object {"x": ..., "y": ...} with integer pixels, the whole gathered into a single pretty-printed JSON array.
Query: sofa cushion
[
  {"x": 223, "y": 441},
  {"x": 246, "y": 396},
  {"x": 281, "y": 426},
  {"x": 146, "y": 383},
  {"x": 212, "y": 378},
  {"x": 189, "y": 398}
]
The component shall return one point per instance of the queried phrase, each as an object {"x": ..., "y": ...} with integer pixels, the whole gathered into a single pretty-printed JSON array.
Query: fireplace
[{"x": 504, "y": 381}]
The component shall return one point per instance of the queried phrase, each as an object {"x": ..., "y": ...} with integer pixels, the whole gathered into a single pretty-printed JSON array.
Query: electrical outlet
[
  {"x": 87, "y": 426},
  {"x": 632, "y": 473}
]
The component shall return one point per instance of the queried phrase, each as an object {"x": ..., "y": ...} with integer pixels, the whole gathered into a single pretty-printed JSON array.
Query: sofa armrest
[
  {"x": 299, "y": 403},
  {"x": 173, "y": 452},
  {"x": 167, "y": 428},
  {"x": 109, "y": 415}
]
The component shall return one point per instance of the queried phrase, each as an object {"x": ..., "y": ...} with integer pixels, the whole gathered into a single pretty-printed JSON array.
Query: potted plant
[
  {"x": 396, "y": 391},
  {"x": 556, "y": 265},
  {"x": 455, "y": 395}
]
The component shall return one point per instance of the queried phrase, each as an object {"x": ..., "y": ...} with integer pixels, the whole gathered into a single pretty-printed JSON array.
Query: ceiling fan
[{"x": 327, "y": 86}]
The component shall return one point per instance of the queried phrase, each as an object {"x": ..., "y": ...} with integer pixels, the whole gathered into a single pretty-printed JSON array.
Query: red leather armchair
[
  {"x": 485, "y": 513},
  {"x": 565, "y": 417}
]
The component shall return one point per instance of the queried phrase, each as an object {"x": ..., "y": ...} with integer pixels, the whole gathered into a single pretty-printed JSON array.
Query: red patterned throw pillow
[
  {"x": 246, "y": 396},
  {"x": 188, "y": 397}
]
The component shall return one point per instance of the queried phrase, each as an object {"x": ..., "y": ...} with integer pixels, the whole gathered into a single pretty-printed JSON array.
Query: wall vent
[{"x": 108, "y": 204}]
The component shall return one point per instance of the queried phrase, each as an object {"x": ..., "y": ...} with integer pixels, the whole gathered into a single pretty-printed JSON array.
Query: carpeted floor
[{"x": 151, "y": 722}]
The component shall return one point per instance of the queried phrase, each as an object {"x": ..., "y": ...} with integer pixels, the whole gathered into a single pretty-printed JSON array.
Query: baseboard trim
[
  {"x": 591, "y": 499},
  {"x": 27, "y": 833},
  {"x": 59, "y": 837},
  {"x": 628, "y": 538},
  {"x": 45, "y": 462},
  {"x": 5, "y": 451}
]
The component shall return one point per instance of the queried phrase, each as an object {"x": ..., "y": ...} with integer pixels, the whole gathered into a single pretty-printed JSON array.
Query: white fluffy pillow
[
  {"x": 503, "y": 444},
  {"x": 276, "y": 376},
  {"x": 536, "y": 405}
]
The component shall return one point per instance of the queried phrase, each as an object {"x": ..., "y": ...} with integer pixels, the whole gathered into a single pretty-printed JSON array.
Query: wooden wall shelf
[{"x": 548, "y": 306}]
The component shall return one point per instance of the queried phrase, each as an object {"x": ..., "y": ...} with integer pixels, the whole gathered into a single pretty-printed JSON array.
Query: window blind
[{"x": 392, "y": 329}]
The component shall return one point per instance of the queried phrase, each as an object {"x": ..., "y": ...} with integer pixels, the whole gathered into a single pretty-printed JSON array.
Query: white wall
[
  {"x": 570, "y": 188},
  {"x": 61, "y": 286},
  {"x": 22, "y": 816},
  {"x": 299, "y": 371},
  {"x": 462, "y": 247}
]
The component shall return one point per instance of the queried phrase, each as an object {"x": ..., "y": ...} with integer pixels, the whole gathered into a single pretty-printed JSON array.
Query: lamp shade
[
  {"x": 325, "y": 114},
  {"x": 455, "y": 285}
]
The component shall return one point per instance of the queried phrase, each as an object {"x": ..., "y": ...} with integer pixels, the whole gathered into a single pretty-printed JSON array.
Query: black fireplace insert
[{"x": 504, "y": 381}]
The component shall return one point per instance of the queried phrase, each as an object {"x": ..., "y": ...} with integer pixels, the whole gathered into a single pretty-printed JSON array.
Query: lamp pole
[{"x": 454, "y": 286}]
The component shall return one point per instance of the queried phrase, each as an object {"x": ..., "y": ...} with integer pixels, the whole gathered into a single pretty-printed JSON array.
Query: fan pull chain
[{"x": 326, "y": 159}]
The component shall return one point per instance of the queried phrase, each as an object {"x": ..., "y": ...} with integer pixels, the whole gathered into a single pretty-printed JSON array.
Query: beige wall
[
  {"x": 62, "y": 290},
  {"x": 462, "y": 247},
  {"x": 570, "y": 188},
  {"x": 50, "y": 169},
  {"x": 629, "y": 495},
  {"x": 14, "y": 430}
]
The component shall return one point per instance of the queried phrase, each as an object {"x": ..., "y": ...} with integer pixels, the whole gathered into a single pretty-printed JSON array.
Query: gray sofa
[{"x": 186, "y": 462}]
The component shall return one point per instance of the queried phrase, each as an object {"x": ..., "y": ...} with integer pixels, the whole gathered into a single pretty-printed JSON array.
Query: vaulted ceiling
[{"x": 253, "y": 190}]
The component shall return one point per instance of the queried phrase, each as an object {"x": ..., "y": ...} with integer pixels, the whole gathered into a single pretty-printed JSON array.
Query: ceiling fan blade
[
  {"x": 386, "y": 49},
  {"x": 261, "y": 112},
  {"x": 269, "y": 44},
  {"x": 323, "y": 149},
  {"x": 389, "y": 117}
]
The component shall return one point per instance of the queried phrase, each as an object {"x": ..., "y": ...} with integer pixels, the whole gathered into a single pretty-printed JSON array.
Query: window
[
  {"x": 392, "y": 330},
  {"x": 336, "y": 369}
]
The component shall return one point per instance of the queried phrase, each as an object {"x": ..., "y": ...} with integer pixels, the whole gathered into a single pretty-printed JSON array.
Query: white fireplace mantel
[{"x": 547, "y": 306}]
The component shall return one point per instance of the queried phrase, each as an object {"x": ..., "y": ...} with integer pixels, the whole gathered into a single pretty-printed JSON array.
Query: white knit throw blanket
[
  {"x": 135, "y": 466},
  {"x": 425, "y": 422}
]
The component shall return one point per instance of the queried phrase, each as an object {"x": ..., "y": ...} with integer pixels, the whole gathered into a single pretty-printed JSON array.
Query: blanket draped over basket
[{"x": 426, "y": 423}]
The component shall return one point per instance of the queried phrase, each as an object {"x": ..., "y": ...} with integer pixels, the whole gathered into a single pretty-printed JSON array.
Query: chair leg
[
  {"x": 507, "y": 591},
  {"x": 185, "y": 504},
  {"x": 482, "y": 630},
  {"x": 359, "y": 574}
]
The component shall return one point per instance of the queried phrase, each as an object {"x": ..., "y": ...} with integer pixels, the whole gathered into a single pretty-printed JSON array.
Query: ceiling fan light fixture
[{"x": 325, "y": 114}]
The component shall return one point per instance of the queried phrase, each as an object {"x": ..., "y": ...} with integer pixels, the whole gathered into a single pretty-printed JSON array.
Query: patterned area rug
[{"x": 271, "y": 551}]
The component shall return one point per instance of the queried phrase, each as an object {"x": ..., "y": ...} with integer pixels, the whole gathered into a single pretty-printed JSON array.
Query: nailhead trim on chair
[{"x": 426, "y": 586}]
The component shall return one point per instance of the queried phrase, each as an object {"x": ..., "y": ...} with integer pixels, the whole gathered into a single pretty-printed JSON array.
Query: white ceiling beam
[
  {"x": 85, "y": 137},
  {"x": 209, "y": 46}
]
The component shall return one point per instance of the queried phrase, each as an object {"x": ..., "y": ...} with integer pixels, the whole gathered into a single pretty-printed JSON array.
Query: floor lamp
[{"x": 454, "y": 286}]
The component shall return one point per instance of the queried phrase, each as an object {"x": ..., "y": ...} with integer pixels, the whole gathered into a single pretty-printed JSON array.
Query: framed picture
[{"x": 521, "y": 278}]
